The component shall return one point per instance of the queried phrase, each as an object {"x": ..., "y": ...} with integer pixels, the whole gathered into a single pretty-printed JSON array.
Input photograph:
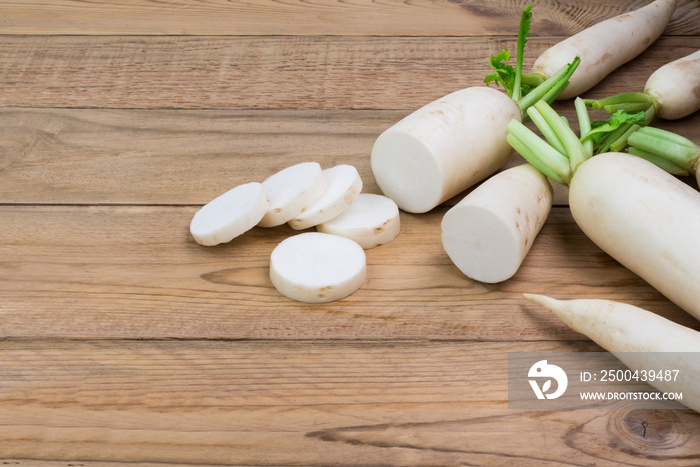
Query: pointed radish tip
[{"x": 542, "y": 300}]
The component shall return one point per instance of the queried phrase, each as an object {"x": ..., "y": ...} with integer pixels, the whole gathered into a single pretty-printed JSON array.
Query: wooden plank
[
  {"x": 321, "y": 17},
  {"x": 269, "y": 72},
  {"x": 321, "y": 403},
  {"x": 134, "y": 272},
  {"x": 86, "y": 156}
]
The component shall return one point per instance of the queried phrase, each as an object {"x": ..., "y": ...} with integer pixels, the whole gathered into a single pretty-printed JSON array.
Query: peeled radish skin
[
  {"x": 344, "y": 185},
  {"x": 372, "y": 220},
  {"x": 292, "y": 190},
  {"x": 229, "y": 215},
  {"x": 640, "y": 339},
  {"x": 645, "y": 219},
  {"x": 675, "y": 87},
  {"x": 444, "y": 148},
  {"x": 315, "y": 267},
  {"x": 488, "y": 234},
  {"x": 605, "y": 46}
]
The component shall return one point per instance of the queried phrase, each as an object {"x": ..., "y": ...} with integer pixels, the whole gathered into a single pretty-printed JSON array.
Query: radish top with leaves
[
  {"x": 671, "y": 92},
  {"x": 458, "y": 140},
  {"x": 642, "y": 216}
]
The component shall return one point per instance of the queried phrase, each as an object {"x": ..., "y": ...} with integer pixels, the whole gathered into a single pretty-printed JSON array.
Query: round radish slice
[
  {"x": 231, "y": 214},
  {"x": 292, "y": 190},
  {"x": 371, "y": 220},
  {"x": 315, "y": 267},
  {"x": 344, "y": 184}
]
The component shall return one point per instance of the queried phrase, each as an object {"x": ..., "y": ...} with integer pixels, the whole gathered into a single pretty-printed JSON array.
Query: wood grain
[
  {"x": 123, "y": 342},
  {"x": 176, "y": 72},
  {"x": 104, "y": 272},
  {"x": 378, "y": 403},
  {"x": 321, "y": 17},
  {"x": 165, "y": 157}
]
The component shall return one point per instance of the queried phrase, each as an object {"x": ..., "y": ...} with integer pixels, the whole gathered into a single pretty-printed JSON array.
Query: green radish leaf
[
  {"x": 504, "y": 74},
  {"x": 601, "y": 128}
]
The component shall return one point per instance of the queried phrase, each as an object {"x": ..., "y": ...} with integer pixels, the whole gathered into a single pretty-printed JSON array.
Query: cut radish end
[
  {"x": 315, "y": 267},
  {"x": 231, "y": 214},
  {"x": 488, "y": 234},
  {"x": 371, "y": 220},
  {"x": 344, "y": 184},
  {"x": 292, "y": 190}
]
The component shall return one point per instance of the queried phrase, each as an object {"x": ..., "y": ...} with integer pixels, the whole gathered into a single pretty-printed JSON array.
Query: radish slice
[
  {"x": 488, "y": 234},
  {"x": 231, "y": 214},
  {"x": 371, "y": 220},
  {"x": 344, "y": 184},
  {"x": 315, "y": 267},
  {"x": 292, "y": 190}
]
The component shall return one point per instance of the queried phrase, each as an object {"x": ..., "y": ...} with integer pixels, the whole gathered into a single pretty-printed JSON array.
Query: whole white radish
[
  {"x": 315, "y": 267},
  {"x": 372, "y": 220},
  {"x": 292, "y": 190},
  {"x": 671, "y": 92},
  {"x": 450, "y": 144},
  {"x": 488, "y": 234},
  {"x": 645, "y": 218},
  {"x": 640, "y": 339},
  {"x": 605, "y": 46},
  {"x": 642, "y": 216},
  {"x": 344, "y": 184},
  {"x": 229, "y": 215}
]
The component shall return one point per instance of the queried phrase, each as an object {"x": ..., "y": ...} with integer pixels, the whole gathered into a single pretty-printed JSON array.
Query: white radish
[
  {"x": 315, "y": 267},
  {"x": 458, "y": 140},
  {"x": 638, "y": 338},
  {"x": 671, "y": 92},
  {"x": 370, "y": 221},
  {"x": 645, "y": 218},
  {"x": 675, "y": 87},
  {"x": 605, "y": 46},
  {"x": 344, "y": 184},
  {"x": 443, "y": 148},
  {"x": 229, "y": 215},
  {"x": 488, "y": 234},
  {"x": 292, "y": 190}
]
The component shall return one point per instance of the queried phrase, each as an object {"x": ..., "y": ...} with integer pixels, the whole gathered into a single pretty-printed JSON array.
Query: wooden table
[{"x": 122, "y": 340}]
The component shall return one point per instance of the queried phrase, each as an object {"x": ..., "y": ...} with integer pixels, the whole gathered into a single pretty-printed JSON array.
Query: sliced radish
[
  {"x": 344, "y": 184},
  {"x": 229, "y": 215},
  {"x": 292, "y": 190},
  {"x": 371, "y": 220},
  {"x": 315, "y": 267}
]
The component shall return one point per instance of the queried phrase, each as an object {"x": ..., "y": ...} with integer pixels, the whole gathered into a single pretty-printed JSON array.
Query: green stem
[
  {"x": 540, "y": 154},
  {"x": 613, "y": 138},
  {"x": 620, "y": 143},
  {"x": 628, "y": 107},
  {"x": 555, "y": 83},
  {"x": 532, "y": 79},
  {"x": 673, "y": 148},
  {"x": 624, "y": 98},
  {"x": 574, "y": 149},
  {"x": 584, "y": 124},
  {"x": 660, "y": 162},
  {"x": 523, "y": 32},
  {"x": 546, "y": 130}
]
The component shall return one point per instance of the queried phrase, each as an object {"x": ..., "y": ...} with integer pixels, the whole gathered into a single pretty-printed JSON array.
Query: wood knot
[{"x": 648, "y": 429}]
